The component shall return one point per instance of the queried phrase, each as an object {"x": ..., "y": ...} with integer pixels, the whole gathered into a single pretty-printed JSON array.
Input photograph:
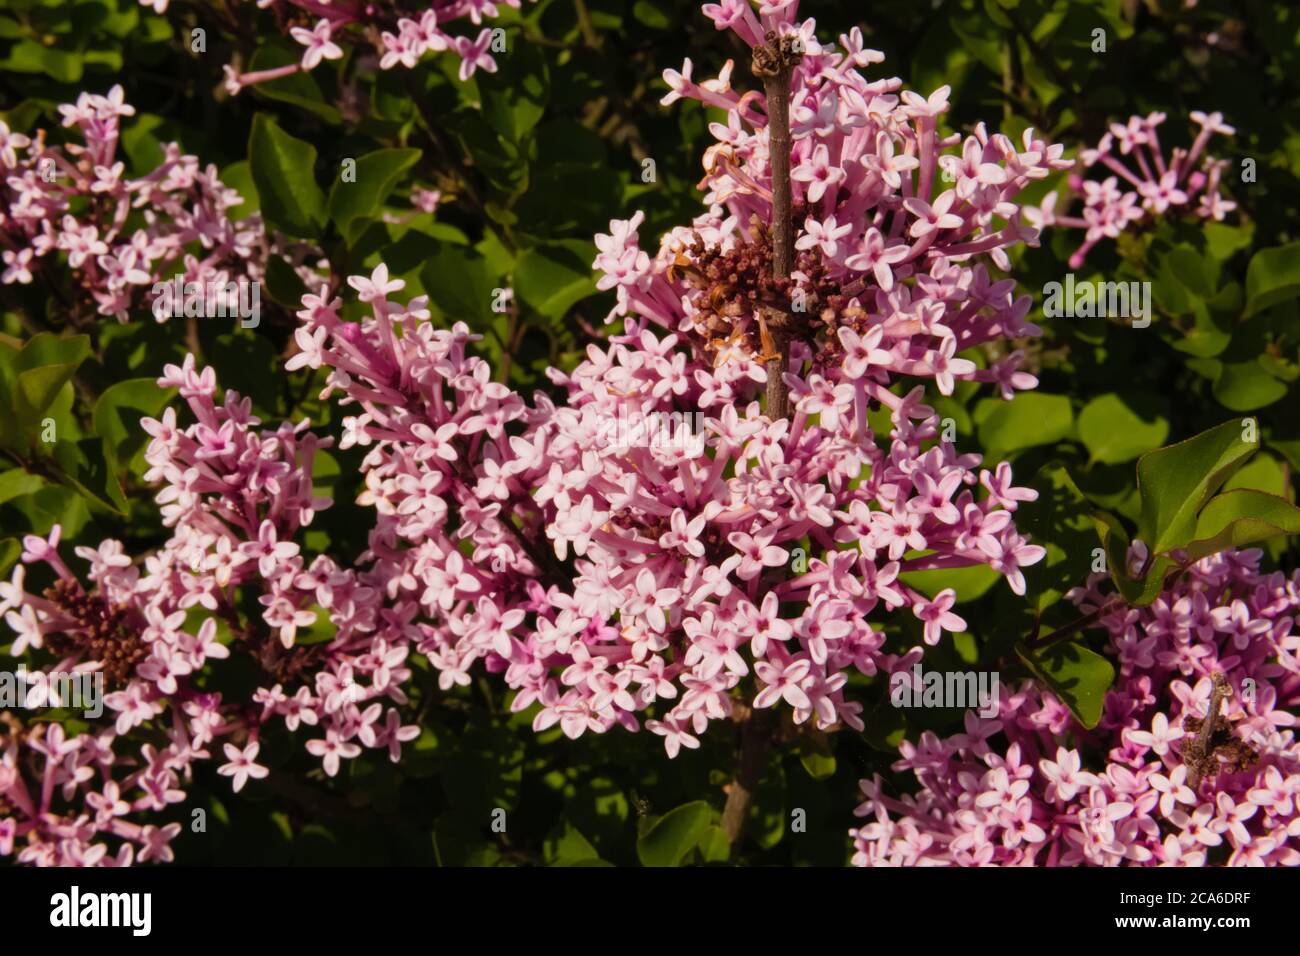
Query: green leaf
[
  {"x": 46, "y": 364},
  {"x": 377, "y": 174},
  {"x": 647, "y": 14},
  {"x": 1113, "y": 432},
  {"x": 1031, "y": 418},
  {"x": 969, "y": 583},
  {"x": 1262, "y": 473},
  {"x": 670, "y": 838},
  {"x": 551, "y": 278},
  {"x": 1246, "y": 386},
  {"x": 1223, "y": 240},
  {"x": 284, "y": 174},
  {"x": 1176, "y": 482},
  {"x": 140, "y": 142},
  {"x": 1078, "y": 676},
  {"x": 10, "y": 550},
  {"x": 1273, "y": 276},
  {"x": 1236, "y": 519},
  {"x": 498, "y": 157},
  {"x": 46, "y": 348},
  {"x": 1193, "y": 270},
  {"x": 283, "y": 284},
  {"x": 239, "y": 177},
  {"x": 515, "y": 97},
  {"x": 87, "y": 469},
  {"x": 820, "y": 766},
  {"x": 570, "y": 848},
  {"x": 16, "y": 482},
  {"x": 714, "y": 846},
  {"x": 34, "y": 392},
  {"x": 28, "y": 56},
  {"x": 460, "y": 283}
]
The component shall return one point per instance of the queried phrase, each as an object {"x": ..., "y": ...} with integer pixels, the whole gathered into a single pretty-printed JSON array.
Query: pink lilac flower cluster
[
  {"x": 117, "y": 234},
  {"x": 606, "y": 575},
  {"x": 159, "y": 630},
  {"x": 401, "y": 34},
  {"x": 1158, "y": 186},
  {"x": 898, "y": 225},
  {"x": 1032, "y": 787},
  {"x": 611, "y": 567}
]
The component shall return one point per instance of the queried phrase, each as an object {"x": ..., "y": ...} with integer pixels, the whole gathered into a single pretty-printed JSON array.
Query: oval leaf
[
  {"x": 674, "y": 835},
  {"x": 1078, "y": 676},
  {"x": 1113, "y": 432},
  {"x": 1176, "y": 482},
  {"x": 283, "y": 172},
  {"x": 377, "y": 174},
  {"x": 1242, "y": 517}
]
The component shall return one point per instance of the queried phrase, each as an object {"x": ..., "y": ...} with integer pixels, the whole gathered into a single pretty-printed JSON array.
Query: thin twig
[{"x": 774, "y": 64}]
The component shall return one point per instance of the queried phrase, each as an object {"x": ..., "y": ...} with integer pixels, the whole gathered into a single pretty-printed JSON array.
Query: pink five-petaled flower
[
  {"x": 945, "y": 366},
  {"x": 938, "y": 616},
  {"x": 474, "y": 54},
  {"x": 932, "y": 217},
  {"x": 1064, "y": 775},
  {"x": 331, "y": 750},
  {"x": 446, "y": 580},
  {"x": 267, "y": 550},
  {"x": 242, "y": 765},
  {"x": 157, "y": 843},
  {"x": 1160, "y": 738},
  {"x": 1009, "y": 555},
  {"x": 818, "y": 173},
  {"x": 684, "y": 533},
  {"x": 675, "y": 736},
  {"x": 825, "y": 235},
  {"x": 1173, "y": 789},
  {"x": 878, "y": 257},
  {"x": 377, "y": 286},
  {"x": 862, "y": 351},
  {"x": 652, "y": 601},
  {"x": 318, "y": 44},
  {"x": 783, "y": 682},
  {"x": 1001, "y": 490},
  {"x": 757, "y": 552}
]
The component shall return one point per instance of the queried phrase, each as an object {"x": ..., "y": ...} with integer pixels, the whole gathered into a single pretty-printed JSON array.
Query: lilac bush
[{"x": 712, "y": 523}]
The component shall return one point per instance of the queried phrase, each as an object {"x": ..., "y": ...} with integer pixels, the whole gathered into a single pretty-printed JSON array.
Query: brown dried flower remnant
[
  {"x": 1214, "y": 748},
  {"x": 739, "y": 289},
  {"x": 101, "y": 632}
]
